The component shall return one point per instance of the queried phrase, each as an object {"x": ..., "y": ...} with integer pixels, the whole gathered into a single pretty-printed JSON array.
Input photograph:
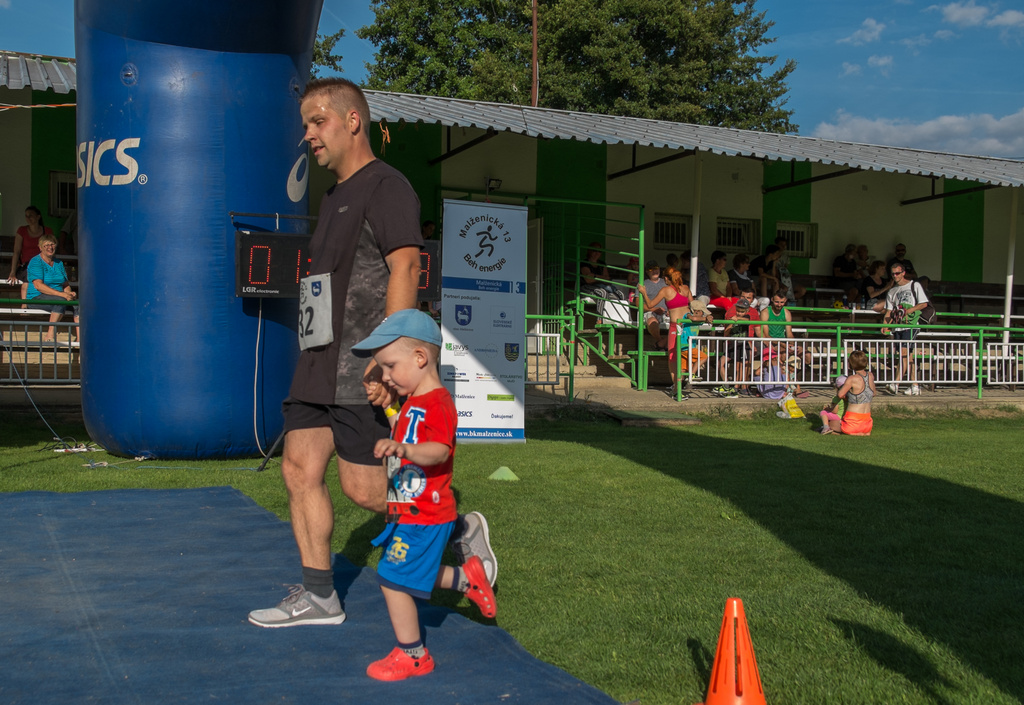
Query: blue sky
[{"x": 945, "y": 76}]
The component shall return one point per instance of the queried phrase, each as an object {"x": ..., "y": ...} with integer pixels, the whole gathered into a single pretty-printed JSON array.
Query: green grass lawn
[{"x": 872, "y": 570}]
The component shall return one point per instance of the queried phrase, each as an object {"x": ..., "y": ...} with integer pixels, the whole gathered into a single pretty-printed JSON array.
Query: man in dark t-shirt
[{"x": 364, "y": 266}]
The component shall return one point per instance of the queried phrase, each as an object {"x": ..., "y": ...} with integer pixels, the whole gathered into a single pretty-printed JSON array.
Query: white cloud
[
  {"x": 945, "y": 34},
  {"x": 962, "y": 14},
  {"x": 869, "y": 31},
  {"x": 916, "y": 43},
  {"x": 1009, "y": 19},
  {"x": 5, "y": 4},
  {"x": 882, "y": 63},
  {"x": 850, "y": 69},
  {"x": 983, "y": 135}
]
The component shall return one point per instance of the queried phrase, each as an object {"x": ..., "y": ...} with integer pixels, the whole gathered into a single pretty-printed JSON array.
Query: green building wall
[
  {"x": 790, "y": 204},
  {"x": 53, "y": 147},
  {"x": 963, "y": 233},
  {"x": 567, "y": 169}
]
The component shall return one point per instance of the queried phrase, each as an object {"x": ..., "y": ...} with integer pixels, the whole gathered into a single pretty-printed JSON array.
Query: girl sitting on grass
[{"x": 858, "y": 390}]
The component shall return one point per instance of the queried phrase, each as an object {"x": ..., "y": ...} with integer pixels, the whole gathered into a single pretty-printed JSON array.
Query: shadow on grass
[
  {"x": 898, "y": 657},
  {"x": 948, "y": 558}
]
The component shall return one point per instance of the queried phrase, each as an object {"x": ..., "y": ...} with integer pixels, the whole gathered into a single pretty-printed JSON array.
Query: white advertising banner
[{"x": 483, "y": 315}]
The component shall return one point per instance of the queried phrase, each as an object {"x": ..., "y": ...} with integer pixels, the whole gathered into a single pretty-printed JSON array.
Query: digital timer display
[
  {"x": 270, "y": 265},
  {"x": 430, "y": 271}
]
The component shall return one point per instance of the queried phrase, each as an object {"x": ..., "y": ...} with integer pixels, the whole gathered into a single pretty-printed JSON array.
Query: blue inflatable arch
[{"x": 187, "y": 111}]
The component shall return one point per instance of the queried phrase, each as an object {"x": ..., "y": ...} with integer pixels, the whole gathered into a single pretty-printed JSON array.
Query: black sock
[
  {"x": 415, "y": 649},
  {"x": 318, "y": 582}
]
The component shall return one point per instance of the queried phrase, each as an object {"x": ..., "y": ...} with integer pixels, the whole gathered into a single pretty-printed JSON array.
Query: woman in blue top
[{"x": 48, "y": 281}]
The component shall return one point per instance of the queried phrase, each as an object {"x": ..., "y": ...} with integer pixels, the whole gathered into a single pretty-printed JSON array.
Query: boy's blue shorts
[{"x": 412, "y": 556}]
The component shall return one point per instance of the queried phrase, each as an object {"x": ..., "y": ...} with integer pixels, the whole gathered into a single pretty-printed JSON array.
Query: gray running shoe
[
  {"x": 299, "y": 608},
  {"x": 474, "y": 540}
]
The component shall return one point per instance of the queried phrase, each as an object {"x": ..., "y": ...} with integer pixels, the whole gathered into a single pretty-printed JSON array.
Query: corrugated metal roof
[
  {"x": 61, "y": 76},
  {"x": 40, "y": 73},
  {"x": 608, "y": 129}
]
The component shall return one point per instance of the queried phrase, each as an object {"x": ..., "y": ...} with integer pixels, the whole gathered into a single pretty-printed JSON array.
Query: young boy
[{"x": 421, "y": 506}]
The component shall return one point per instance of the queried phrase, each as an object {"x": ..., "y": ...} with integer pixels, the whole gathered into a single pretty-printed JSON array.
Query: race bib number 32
[{"x": 315, "y": 328}]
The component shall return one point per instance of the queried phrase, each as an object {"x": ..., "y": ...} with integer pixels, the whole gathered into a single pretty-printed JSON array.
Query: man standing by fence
[{"x": 903, "y": 304}]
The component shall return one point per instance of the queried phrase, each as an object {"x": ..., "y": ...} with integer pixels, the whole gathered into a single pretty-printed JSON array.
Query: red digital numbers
[
  {"x": 266, "y": 264},
  {"x": 424, "y": 270}
]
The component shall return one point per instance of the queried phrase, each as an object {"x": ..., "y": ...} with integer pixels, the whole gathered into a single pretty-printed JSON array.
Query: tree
[
  {"x": 695, "y": 61},
  {"x": 431, "y": 47},
  {"x": 323, "y": 53}
]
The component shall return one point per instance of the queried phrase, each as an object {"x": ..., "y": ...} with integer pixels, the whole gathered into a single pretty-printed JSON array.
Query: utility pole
[{"x": 535, "y": 83}]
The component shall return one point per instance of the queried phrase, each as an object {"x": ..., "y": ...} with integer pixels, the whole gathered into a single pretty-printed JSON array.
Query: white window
[
  {"x": 801, "y": 238},
  {"x": 63, "y": 193},
  {"x": 737, "y": 235},
  {"x": 671, "y": 231}
]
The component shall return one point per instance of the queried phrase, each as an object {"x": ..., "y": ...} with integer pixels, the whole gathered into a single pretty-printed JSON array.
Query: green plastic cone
[{"x": 503, "y": 473}]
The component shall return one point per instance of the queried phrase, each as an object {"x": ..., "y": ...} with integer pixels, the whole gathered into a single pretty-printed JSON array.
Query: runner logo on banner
[{"x": 483, "y": 317}]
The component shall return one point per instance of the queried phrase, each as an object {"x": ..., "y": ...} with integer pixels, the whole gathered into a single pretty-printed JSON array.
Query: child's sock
[
  {"x": 415, "y": 649},
  {"x": 459, "y": 581},
  {"x": 318, "y": 582}
]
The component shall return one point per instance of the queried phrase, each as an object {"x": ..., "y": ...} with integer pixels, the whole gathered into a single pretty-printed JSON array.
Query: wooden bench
[{"x": 950, "y": 293}]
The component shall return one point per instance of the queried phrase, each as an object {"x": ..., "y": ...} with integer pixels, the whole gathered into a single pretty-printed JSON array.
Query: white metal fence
[
  {"x": 1004, "y": 363},
  {"x": 815, "y": 361},
  {"x": 543, "y": 359},
  {"x": 26, "y": 357},
  {"x": 925, "y": 361},
  {"x": 735, "y": 361}
]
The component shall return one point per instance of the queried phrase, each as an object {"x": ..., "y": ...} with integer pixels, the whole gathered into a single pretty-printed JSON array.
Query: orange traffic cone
[{"x": 734, "y": 676}]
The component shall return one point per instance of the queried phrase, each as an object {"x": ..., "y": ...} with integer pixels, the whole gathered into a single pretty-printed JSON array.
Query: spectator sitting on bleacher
[
  {"x": 594, "y": 275},
  {"x": 739, "y": 350},
  {"x": 701, "y": 292},
  {"x": 863, "y": 260},
  {"x": 654, "y": 316},
  {"x": 718, "y": 282},
  {"x": 844, "y": 273},
  {"x": 900, "y": 258},
  {"x": 67, "y": 239},
  {"x": 26, "y": 246},
  {"x": 632, "y": 272},
  {"x": 874, "y": 286},
  {"x": 48, "y": 281},
  {"x": 795, "y": 291},
  {"x": 765, "y": 270},
  {"x": 740, "y": 281},
  {"x": 777, "y": 323}
]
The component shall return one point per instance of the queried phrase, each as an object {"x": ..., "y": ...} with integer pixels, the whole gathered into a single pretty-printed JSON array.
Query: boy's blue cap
[{"x": 407, "y": 323}]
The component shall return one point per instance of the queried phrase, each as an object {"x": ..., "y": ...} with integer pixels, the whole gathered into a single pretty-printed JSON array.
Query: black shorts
[
  {"x": 356, "y": 428},
  {"x": 905, "y": 334}
]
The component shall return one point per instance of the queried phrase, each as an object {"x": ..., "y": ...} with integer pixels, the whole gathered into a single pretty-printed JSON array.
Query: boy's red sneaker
[
  {"x": 399, "y": 665},
  {"x": 479, "y": 591}
]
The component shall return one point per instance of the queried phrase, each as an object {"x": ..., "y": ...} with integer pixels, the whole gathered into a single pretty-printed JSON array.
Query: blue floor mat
[{"x": 141, "y": 596}]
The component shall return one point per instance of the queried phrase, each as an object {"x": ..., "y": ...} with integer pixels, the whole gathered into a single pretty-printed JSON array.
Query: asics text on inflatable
[{"x": 95, "y": 167}]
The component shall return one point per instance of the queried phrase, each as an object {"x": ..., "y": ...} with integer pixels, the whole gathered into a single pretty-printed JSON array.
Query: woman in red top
[
  {"x": 677, "y": 298},
  {"x": 26, "y": 246}
]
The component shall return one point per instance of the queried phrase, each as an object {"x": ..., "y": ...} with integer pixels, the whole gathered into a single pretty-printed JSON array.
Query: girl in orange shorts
[{"x": 858, "y": 390}]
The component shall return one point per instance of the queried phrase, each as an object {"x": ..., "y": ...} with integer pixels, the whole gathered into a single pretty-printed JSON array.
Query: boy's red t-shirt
[{"x": 423, "y": 494}]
